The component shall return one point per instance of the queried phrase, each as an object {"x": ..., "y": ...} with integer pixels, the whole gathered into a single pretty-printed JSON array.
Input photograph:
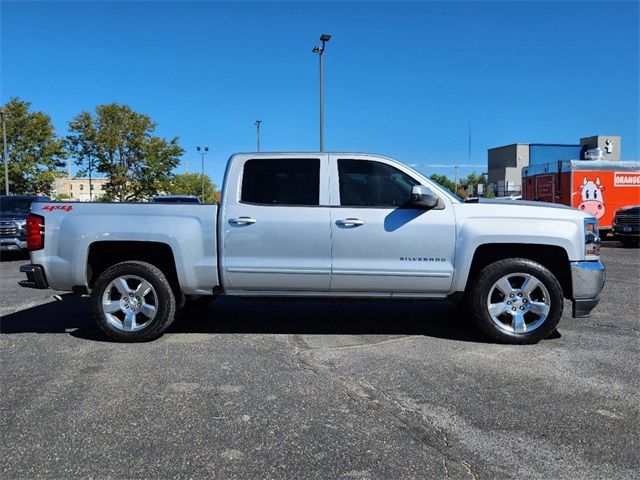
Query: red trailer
[{"x": 595, "y": 186}]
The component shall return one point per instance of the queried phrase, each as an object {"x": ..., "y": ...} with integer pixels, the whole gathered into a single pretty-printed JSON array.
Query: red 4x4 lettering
[{"x": 51, "y": 208}]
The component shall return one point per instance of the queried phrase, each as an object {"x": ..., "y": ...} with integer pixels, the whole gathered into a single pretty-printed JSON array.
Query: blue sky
[{"x": 402, "y": 79}]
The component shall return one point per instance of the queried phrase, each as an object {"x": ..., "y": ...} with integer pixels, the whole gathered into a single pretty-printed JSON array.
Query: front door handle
[
  {"x": 350, "y": 222},
  {"x": 242, "y": 220}
]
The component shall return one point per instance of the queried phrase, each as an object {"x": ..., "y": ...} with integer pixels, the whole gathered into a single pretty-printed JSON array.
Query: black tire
[
  {"x": 500, "y": 329},
  {"x": 160, "y": 298}
]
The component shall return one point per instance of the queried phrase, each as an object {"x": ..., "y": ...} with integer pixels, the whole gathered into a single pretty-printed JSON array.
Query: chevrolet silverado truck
[{"x": 321, "y": 225}]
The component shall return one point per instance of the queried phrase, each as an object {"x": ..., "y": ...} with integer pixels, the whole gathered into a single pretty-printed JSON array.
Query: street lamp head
[
  {"x": 325, "y": 37},
  {"x": 317, "y": 50},
  {"x": 198, "y": 148},
  {"x": 206, "y": 149}
]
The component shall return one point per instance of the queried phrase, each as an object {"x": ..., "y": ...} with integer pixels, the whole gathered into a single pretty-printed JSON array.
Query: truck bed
[{"x": 189, "y": 230}]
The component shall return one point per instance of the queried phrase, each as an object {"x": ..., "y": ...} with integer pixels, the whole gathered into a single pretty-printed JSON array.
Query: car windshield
[
  {"x": 15, "y": 205},
  {"x": 449, "y": 191}
]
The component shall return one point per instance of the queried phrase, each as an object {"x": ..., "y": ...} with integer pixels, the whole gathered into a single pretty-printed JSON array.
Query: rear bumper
[
  {"x": 35, "y": 277},
  {"x": 588, "y": 280}
]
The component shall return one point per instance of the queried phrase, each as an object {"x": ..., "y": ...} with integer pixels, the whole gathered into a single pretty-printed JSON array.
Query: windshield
[
  {"x": 15, "y": 205},
  {"x": 453, "y": 194}
]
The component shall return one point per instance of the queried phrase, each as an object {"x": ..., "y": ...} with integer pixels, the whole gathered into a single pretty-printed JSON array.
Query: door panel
[
  {"x": 394, "y": 248},
  {"x": 276, "y": 236},
  {"x": 286, "y": 248}
]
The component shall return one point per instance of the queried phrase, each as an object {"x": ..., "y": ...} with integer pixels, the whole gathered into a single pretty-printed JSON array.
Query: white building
[{"x": 79, "y": 189}]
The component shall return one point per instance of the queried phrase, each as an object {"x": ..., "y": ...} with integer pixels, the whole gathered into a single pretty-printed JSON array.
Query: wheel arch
[
  {"x": 104, "y": 254},
  {"x": 552, "y": 257}
]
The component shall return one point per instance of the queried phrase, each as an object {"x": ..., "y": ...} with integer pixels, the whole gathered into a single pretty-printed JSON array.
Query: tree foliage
[
  {"x": 191, "y": 184},
  {"x": 81, "y": 143},
  {"x": 137, "y": 164},
  {"x": 444, "y": 181},
  {"x": 472, "y": 180},
  {"x": 35, "y": 152}
]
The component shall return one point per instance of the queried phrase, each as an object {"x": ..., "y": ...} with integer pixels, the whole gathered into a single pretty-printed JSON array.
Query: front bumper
[
  {"x": 12, "y": 244},
  {"x": 626, "y": 231},
  {"x": 35, "y": 277},
  {"x": 588, "y": 280}
]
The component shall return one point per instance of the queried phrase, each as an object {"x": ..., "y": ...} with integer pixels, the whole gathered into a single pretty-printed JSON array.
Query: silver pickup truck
[{"x": 321, "y": 225}]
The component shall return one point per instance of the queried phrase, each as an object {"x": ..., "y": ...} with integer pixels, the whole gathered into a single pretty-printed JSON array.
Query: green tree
[
  {"x": 444, "y": 181},
  {"x": 81, "y": 143},
  {"x": 191, "y": 184},
  {"x": 35, "y": 152},
  {"x": 488, "y": 192},
  {"x": 137, "y": 163},
  {"x": 462, "y": 193},
  {"x": 471, "y": 179}
]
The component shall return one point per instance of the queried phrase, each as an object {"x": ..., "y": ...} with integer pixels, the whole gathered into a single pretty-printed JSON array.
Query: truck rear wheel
[
  {"x": 133, "y": 302},
  {"x": 516, "y": 300}
]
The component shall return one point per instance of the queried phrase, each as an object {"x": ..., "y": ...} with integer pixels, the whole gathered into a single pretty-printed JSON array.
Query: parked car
[
  {"x": 626, "y": 225},
  {"x": 13, "y": 218},
  {"x": 175, "y": 199},
  {"x": 321, "y": 225}
]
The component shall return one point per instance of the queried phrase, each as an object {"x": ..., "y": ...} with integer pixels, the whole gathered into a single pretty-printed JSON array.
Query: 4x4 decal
[{"x": 51, "y": 208}]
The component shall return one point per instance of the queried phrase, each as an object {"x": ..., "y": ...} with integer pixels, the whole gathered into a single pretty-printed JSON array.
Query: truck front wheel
[
  {"x": 133, "y": 302},
  {"x": 516, "y": 300}
]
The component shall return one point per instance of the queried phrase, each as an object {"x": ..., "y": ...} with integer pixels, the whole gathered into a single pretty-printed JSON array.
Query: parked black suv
[
  {"x": 13, "y": 217},
  {"x": 626, "y": 225}
]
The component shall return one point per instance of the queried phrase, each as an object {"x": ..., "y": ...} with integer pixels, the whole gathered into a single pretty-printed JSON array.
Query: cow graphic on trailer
[{"x": 592, "y": 197}]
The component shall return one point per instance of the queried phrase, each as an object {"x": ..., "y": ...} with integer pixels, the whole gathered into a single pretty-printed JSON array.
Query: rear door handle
[
  {"x": 242, "y": 220},
  {"x": 350, "y": 222}
]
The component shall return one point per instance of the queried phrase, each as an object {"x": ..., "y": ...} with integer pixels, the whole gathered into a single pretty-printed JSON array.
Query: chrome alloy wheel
[
  {"x": 518, "y": 303},
  {"x": 129, "y": 303}
]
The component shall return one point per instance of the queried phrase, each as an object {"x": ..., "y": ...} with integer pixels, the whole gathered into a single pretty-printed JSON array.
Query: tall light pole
[
  {"x": 258, "y": 122},
  {"x": 203, "y": 152},
  {"x": 5, "y": 157},
  {"x": 324, "y": 38},
  {"x": 90, "y": 181}
]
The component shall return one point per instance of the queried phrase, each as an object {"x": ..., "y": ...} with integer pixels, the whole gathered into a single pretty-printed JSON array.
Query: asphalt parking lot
[{"x": 319, "y": 389}]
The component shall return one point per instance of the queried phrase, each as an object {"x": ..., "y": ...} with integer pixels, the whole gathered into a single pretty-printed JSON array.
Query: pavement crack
[
  {"x": 470, "y": 470},
  {"x": 615, "y": 327},
  {"x": 421, "y": 427},
  {"x": 365, "y": 345}
]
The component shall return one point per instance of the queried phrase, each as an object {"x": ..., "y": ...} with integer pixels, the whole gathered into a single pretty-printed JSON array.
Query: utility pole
[
  {"x": 469, "y": 141},
  {"x": 455, "y": 178},
  {"x": 203, "y": 152},
  {"x": 258, "y": 122},
  {"x": 5, "y": 157},
  {"x": 324, "y": 38}
]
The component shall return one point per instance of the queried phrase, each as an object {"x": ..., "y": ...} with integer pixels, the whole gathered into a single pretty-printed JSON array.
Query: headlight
[
  {"x": 591, "y": 237},
  {"x": 22, "y": 227}
]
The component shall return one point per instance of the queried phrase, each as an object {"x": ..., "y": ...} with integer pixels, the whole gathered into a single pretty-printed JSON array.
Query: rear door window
[{"x": 288, "y": 181}]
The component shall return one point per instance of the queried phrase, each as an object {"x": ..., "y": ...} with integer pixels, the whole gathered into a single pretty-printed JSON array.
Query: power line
[{"x": 448, "y": 165}]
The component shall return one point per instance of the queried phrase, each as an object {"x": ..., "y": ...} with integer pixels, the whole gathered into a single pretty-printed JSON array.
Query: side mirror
[{"x": 423, "y": 196}]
